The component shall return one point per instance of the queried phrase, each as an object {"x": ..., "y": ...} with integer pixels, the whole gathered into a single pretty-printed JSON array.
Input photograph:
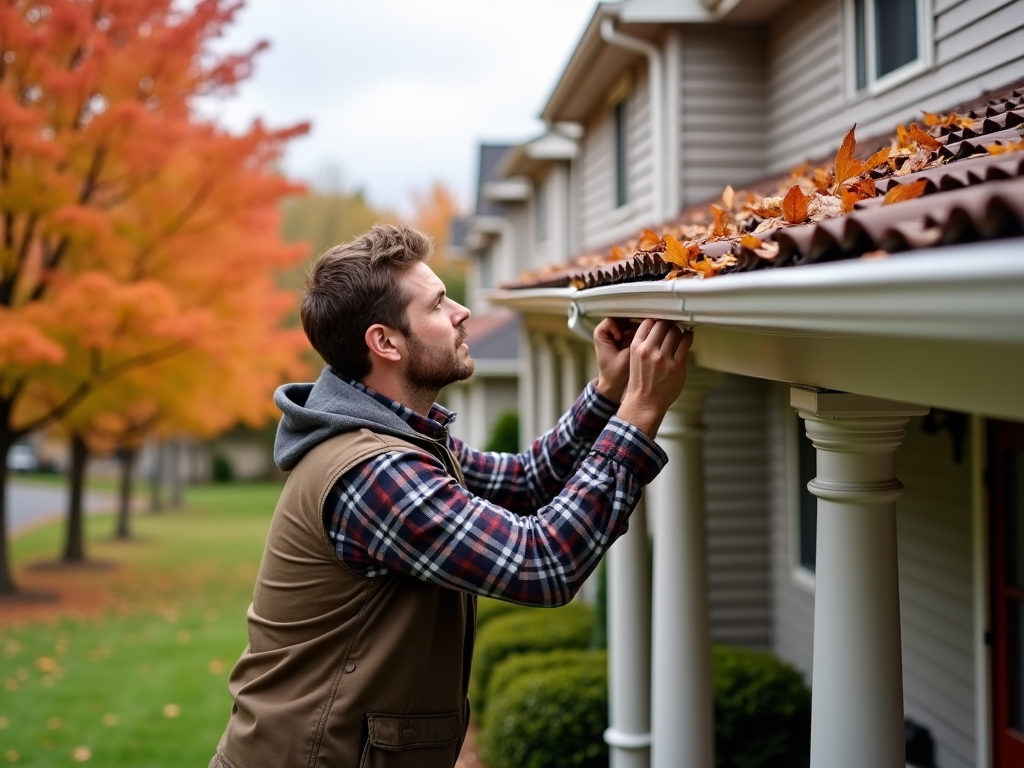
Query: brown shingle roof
[{"x": 972, "y": 195}]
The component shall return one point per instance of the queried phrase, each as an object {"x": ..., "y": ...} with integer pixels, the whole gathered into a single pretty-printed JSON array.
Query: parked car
[{"x": 23, "y": 458}]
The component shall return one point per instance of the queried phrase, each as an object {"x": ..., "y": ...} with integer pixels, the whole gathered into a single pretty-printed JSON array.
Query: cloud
[{"x": 400, "y": 91}]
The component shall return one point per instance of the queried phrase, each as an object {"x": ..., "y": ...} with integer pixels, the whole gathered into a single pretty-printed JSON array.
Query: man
[{"x": 362, "y": 622}]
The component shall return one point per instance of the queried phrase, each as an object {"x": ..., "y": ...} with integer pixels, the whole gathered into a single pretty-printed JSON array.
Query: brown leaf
[
  {"x": 751, "y": 242},
  {"x": 728, "y": 198},
  {"x": 1003, "y": 149},
  {"x": 675, "y": 252},
  {"x": 903, "y": 138},
  {"x": 905, "y": 192},
  {"x": 703, "y": 268},
  {"x": 822, "y": 180},
  {"x": 923, "y": 139},
  {"x": 616, "y": 253},
  {"x": 649, "y": 241},
  {"x": 877, "y": 159},
  {"x": 722, "y": 226},
  {"x": 800, "y": 170},
  {"x": 847, "y": 166},
  {"x": 915, "y": 162},
  {"x": 769, "y": 250},
  {"x": 848, "y": 198},
  {"x": 794, "y": 204}
]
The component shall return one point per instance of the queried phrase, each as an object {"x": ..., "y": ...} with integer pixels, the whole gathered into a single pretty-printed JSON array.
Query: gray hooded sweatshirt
[{"x": 331, "y": 406}]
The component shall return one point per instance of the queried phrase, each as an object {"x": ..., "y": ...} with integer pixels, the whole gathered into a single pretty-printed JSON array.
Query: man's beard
[{"x": 431, "y": 368}]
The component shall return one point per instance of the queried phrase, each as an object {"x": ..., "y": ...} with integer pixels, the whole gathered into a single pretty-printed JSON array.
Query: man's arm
[
  {"x": 402, "y": 512},
  {"x": 525, "y": 481}
]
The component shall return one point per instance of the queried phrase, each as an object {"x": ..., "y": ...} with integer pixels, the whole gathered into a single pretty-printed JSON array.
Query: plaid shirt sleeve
[
  {"x": 400, "y": 511},
  {"x": 526, "y": 481}
]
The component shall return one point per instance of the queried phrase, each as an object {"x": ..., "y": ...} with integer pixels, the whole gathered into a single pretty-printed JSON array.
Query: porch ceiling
[{"x": 943, "y": 328}]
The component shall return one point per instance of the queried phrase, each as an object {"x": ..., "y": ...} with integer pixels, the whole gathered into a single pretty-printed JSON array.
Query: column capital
[{"x": 843, "y": 405}]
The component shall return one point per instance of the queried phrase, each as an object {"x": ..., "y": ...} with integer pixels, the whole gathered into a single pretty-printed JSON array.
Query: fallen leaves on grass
[
  {"x": 172, "y": 711},
  {"x": 81, "y": 754}
]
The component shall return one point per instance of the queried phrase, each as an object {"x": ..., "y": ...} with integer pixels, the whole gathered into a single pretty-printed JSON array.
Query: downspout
[{"x": 656, "y": 89}]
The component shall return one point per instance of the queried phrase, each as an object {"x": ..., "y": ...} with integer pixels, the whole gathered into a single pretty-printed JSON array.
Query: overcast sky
[{"x": 400, "y": 92}]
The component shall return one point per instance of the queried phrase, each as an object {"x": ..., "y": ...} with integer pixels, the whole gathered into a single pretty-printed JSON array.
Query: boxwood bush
[
  {"x": 762, "y": 711},
  {"x": 531, "y": 630},
  {"x": 488, "y": 608},
  {"x": 548, "y": 710}
]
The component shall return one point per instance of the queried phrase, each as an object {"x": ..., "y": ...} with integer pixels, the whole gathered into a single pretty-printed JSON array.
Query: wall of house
[
  {"x": 934, "y": 538},
  {"x": 976, "y": 45},
  {"x": 554, "y": 248},
  {"x": 600, "y": 222},
  {"x": 738, "y": 520},
  {"x": 934, "y": 534},
  {"x": 721, "y": 84}
]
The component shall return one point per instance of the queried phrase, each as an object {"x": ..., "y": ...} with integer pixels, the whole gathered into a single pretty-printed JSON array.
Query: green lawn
[{"x": 140, "y": 678}]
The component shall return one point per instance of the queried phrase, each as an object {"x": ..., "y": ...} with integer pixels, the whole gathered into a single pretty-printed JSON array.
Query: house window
[
  {"x": 619, "y": 149},
  {"x": 807, "y": 505},
  {"x": 540, "y": 205},
  {"x": 888, "y": 39}
]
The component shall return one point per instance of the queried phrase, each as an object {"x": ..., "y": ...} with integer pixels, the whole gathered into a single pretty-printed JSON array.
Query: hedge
[
  {"x": 488, "y": 608},
  {"x": 538, "y": 629},
  {"x": 762, "y": 711},
  {"x": 548, "y": 712}
]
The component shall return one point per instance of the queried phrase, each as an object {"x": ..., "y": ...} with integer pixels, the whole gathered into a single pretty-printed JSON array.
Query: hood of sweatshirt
[{"x": 315, "y": 412}]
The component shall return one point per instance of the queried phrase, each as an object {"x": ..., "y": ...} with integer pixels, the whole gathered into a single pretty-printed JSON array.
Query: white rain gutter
[{"x": 656, "y": 90}]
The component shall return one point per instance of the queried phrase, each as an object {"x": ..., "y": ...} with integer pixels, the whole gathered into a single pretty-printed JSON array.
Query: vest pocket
[{"x": 412, "y": 741}]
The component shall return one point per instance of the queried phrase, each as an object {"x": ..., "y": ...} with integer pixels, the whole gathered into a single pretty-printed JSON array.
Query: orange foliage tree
[{"x": 134, "y": 236}]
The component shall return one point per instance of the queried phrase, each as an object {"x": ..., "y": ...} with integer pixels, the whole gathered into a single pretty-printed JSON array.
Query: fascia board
[
  {"x": 543, "y": 301},
  {"x": 588, "y": 46},
  {"x": 552, "y": 146},
  {"x": 514, "y": 190},
  {"x": 965, "y": 293}
]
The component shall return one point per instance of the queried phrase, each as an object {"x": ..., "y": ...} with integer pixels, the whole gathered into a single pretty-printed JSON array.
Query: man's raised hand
[
  {"x": 657, "y": 371},
  {"x": 612, "y": 338}
]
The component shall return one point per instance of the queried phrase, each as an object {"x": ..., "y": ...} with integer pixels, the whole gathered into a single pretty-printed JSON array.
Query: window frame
[
  {"x": 877, "y": 85},
  {"x": 620, "y": 154},
  {"x": 800, "y": 575}
]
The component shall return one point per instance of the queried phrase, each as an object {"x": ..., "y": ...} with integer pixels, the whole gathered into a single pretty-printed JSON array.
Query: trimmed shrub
[
  {"x": 551, "y": 713},
  {"x": 488, "y": 608},
  {"x": 504, "y": 434},
  {"x": 762, "y": 711},
  {"x": 538, "y": 629},
  {"x": 221, "y": 470}
]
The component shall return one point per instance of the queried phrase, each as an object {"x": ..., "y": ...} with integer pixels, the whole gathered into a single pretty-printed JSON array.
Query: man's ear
[{"x": 384, "y": 342}]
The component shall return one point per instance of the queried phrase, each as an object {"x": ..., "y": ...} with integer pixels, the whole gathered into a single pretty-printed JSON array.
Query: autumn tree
[
  {"x": 433, "y": 213},
  {"x": 134, "y": 236}
]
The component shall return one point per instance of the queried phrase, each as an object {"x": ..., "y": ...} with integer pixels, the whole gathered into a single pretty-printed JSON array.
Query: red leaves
[
  {"x": 905, "y": 192},
  {"x": 794, "y": 205}
]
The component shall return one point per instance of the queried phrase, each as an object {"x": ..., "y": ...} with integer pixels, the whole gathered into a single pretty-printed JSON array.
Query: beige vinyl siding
[
  {"x": 601, "y": 223},
  {"x": 936, "y": 604},
  {"x": 792, "y": 604},
  {"x": 721, "y": 102},
  {"x": 736, "y": 493},
  {"x": 977, "y": 45}
]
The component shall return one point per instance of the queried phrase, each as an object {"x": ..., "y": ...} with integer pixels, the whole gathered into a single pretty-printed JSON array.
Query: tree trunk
[
  {"x": 174, "y": 472},
  {"x": 74, "y": 543},
  {"x": 156, "y": 496},
  {"x": 124, "y": 506},
  {"x": 7, "y": 586}
]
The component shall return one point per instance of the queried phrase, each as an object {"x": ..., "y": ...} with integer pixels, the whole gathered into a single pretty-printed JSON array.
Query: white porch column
[
  {"x": 569, "y": 364},
  {"x": 527, "y": 393},
  {"x": 629, "y": 646},
  {"x": 476, "y": 410},
  {"x": 857, "y": 704},
  {"x": 547, "y": 385},
  {"x": 682, "y": 716},
  {"x": 457, "y": 402}
]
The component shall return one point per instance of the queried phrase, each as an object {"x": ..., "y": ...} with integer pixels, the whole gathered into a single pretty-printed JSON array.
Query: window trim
[
  {"x": 801, "y": 576},
  {"x": 878, "y": 85}
]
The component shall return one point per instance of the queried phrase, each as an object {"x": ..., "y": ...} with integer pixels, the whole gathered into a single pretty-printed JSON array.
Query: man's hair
[{"x": 355, "y": 285}]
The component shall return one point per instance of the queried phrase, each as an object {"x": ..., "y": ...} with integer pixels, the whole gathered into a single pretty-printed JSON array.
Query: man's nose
[{"x": 460, "y": 315}]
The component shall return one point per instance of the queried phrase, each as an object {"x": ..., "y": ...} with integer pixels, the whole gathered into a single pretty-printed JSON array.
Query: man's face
[{"x": 437, "y": 354}]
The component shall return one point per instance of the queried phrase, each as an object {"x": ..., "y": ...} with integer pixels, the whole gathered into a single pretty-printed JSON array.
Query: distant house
[
  {"x": 898, "y": 598},
  {"x": 485, "y": 241}
]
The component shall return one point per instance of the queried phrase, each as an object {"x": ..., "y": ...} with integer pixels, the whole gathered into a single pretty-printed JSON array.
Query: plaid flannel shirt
[{"x": 527, "y": 528}]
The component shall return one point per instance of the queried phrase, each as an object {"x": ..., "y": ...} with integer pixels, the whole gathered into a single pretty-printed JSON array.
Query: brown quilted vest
[{"x": 343, "y": 671}]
